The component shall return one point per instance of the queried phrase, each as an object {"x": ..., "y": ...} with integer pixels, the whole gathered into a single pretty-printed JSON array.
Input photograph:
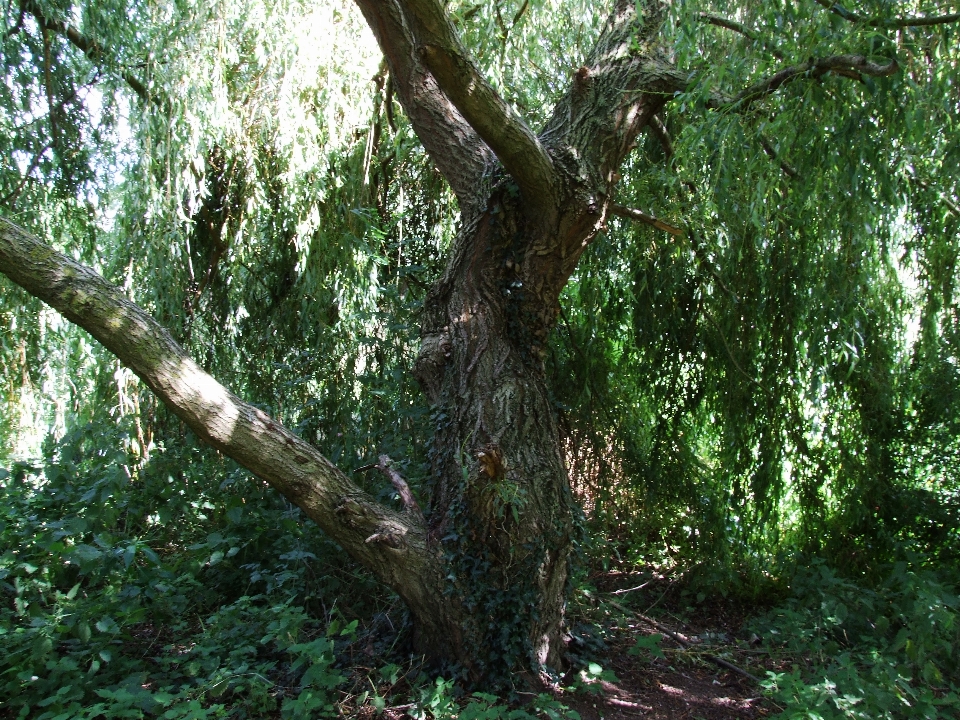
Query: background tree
[{"x": 756, "y": 328}]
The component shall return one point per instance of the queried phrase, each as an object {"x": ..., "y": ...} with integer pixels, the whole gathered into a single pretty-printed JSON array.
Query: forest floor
[
  {"x": 680, "y": 675},
  {"x": 687, "y": 678}
]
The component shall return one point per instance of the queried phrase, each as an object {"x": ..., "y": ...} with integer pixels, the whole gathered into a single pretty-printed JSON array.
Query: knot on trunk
[
  {"x": 349, "y": 511},
  {"x": 388, "y": 537},
  {"x": 435, "y": 349}
]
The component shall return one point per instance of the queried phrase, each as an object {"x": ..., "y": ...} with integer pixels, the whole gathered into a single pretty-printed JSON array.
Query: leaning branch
[
  {"x": 92, "y": 49},
  {"x": 914, "y": 21},
  {"x": 232, "y": 426},
  {"x": 514, "y": 143}
]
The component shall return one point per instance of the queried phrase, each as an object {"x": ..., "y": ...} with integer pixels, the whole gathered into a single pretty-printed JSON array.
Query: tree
[{"x": 485, "y": 569}]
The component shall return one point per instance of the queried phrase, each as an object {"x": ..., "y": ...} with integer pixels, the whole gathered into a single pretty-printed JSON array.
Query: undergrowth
[
  {"x": 875, "y": 653},
  {"x": 183, "y": 588},
  {"x": 145, "y": 589}
]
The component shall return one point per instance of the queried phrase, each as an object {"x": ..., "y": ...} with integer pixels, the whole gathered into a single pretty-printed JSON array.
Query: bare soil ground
[{"x": 685, "y": 683}]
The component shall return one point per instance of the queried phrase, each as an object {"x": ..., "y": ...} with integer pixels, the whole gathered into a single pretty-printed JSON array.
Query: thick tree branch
[
  {"x": 229, "y": 424},
  {"x": 853, "y": 66},
  {"x": 93, "y": 50},
  {"x": 515, "y": 145},
  {"x": 454, "y": 146},
  {"x": 623, "y": 83},
  {"x": 915, "y": 21}
]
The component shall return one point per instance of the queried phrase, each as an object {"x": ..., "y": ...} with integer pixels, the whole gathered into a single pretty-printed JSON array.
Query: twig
[
  {"x": 951, "y": 206},
  {"x": 385, "y": 465},
  {"x": 696, "y": 245},
  {"x": 728, "y": 24},
  {"x": 628, "y": 590},
  {"x": 12, "y": 196},
  {"x": 732, "y": 358},
  {"x": 657, "y": 602},
  {"x": 640, "y": 216},
  {"x": 739, "y": 28},
  {"x": 691, "y": 237},
  {"x": 772, "y": 154}
]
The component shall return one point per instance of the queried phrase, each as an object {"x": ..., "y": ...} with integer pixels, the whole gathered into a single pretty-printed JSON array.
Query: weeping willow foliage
[
  {"x": 786, "y": 374},
  {"x": 782, "y": 376}
]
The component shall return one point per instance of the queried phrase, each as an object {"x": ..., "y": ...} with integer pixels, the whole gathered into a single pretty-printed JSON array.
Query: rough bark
[{"x": 501, "y": 507}]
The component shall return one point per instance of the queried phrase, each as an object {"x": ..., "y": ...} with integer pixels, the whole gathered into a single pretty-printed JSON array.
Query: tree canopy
[{"x": 754, "y": 358}]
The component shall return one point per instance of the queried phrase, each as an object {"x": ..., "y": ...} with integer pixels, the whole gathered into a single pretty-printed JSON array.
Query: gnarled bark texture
[{"x": 501, "y": 507}]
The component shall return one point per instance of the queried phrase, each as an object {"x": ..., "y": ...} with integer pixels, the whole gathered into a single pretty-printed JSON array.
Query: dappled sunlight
[
  {"x": 753, "y": 383},
  {"x": 211, "y": 400}
]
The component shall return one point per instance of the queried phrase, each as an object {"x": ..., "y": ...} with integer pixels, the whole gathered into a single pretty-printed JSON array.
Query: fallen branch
[
  {"x": 684, "y": 642},
  {"x": 638, "y": 587}
]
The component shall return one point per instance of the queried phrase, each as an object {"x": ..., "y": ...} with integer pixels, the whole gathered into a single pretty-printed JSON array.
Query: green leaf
[{"x": 648, "y": 644}]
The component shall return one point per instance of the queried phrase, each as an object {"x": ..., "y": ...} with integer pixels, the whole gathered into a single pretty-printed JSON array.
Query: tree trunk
[
  {"x": 484, "y": 576},
  {"x": 501, "y": 510}
]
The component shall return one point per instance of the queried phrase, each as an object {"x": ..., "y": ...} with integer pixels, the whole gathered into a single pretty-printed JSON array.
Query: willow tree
[{"x": 483, "y": 567}]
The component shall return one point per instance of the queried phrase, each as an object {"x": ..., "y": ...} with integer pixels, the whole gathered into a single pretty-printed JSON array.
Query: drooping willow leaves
[{"x": 785, "y": 373}]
